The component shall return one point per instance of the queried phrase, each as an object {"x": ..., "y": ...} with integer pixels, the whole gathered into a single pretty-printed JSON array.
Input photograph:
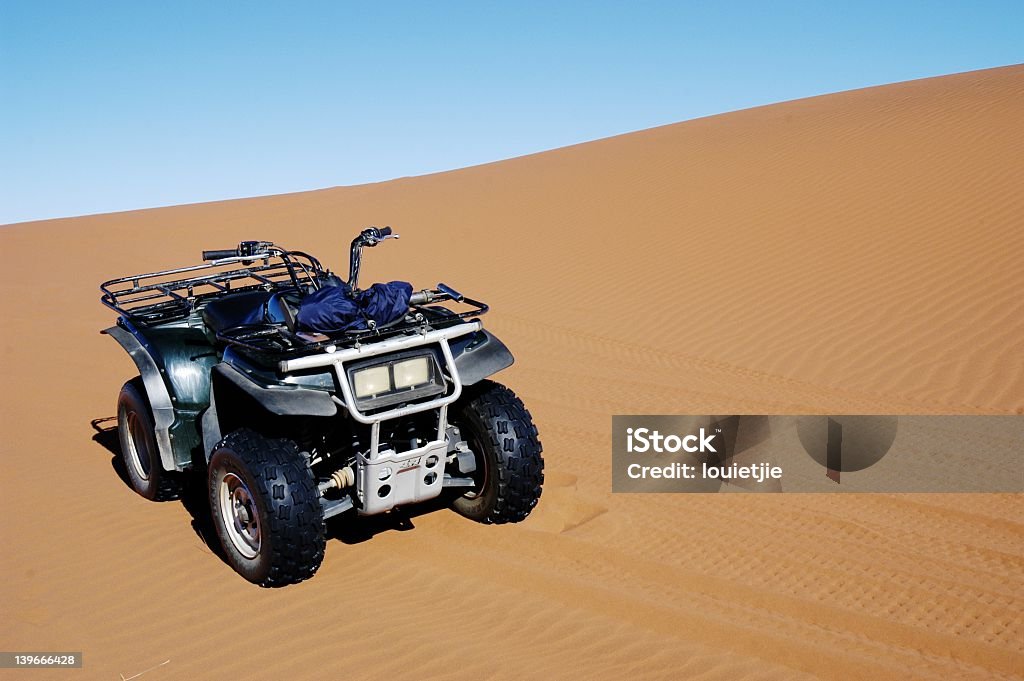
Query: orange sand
[{"x": 854, "y": 253}]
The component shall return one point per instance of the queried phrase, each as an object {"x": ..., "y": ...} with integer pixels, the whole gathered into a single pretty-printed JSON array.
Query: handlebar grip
[
  {"x": 450, "y": 292},
  {"x": 218, "y": 254},
  {"x": 384, "y": 231}
]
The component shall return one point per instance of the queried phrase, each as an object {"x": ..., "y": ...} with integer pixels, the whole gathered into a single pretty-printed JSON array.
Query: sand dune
[{"x": 854, "y": 253}]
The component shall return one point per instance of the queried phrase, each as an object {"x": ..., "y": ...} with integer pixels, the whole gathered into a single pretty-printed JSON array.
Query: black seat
[{"x": 248, "y": 307}]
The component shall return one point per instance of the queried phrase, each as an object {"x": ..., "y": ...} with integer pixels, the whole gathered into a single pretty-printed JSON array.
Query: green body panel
[
  {"x": 185, "y": 357},
  {"x": 185, "y": 437}
]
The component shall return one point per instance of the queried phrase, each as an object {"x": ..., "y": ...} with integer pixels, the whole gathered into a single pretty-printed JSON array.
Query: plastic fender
[
  {"x": 175, "y": 367},
  {"x": 480, "y": 355},
  {"x": 156, "y": 391},
  {"x": 282, "y": 400},
  {"x": 186, "y": 357}
]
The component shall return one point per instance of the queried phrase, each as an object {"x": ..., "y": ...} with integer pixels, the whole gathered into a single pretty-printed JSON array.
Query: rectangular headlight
[
  {"x": 371, "y": 381},
  {"x": 379, "y": 382},
  {"x": 412, "y": 372}
]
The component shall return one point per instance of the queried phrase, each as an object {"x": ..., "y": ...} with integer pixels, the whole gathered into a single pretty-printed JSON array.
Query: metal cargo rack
[
  {"x": 281, "y": 343},
  {"x": 167, "y": 296},
  {"x": 172, "y": 295}
]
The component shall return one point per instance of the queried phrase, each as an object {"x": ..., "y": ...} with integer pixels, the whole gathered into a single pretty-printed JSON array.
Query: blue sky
[{"x": 108, "y": 106}]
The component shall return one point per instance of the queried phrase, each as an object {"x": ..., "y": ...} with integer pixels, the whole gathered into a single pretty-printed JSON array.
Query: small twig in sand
[{"x": 144, "y": 671}]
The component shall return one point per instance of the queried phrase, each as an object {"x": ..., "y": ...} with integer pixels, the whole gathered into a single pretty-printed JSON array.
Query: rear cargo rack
[{"x": 170, "y": 295}]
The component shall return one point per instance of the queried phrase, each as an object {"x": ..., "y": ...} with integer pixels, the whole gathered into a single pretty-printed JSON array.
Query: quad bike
[{"x": 296, "y": 425}]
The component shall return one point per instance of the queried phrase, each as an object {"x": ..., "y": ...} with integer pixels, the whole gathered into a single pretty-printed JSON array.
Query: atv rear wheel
[
  {"x": 509, "y": 467},
  {"x": 139, "y": 452},
  {"x": 266, "y": 508}
]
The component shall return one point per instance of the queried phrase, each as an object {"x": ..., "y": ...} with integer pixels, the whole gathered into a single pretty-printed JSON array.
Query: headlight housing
[{"x": 400, "y": 378}]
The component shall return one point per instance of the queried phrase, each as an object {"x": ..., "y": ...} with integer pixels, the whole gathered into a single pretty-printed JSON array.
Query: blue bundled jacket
[{"x": 335, "y": 309}]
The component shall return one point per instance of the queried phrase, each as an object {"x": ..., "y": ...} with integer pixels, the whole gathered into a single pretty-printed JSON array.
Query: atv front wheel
[
  {"x": 509, "y": 468},
  {"x": 139, "y": 452},
  {"x": 266, "y": 509}
]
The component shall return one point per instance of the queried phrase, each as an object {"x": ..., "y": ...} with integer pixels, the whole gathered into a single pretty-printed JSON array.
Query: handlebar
[
  {"x": 254, "y": 249},
  {"x": 442, "y": 292},
  {"x": 421, "y": 297},
  {"x": 220, "y": 254},
  {"x": 371, "y": 236}
]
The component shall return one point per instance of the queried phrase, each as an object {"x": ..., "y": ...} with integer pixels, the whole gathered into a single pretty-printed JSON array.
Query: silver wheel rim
[
  {"x": 138, "y": 446},
  {"x": 239, "y": 515}
]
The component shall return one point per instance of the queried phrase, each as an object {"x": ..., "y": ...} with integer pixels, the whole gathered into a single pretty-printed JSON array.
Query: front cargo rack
[
  {"x": 171, "y": 295},
  {"x": 279, "y": 342}
]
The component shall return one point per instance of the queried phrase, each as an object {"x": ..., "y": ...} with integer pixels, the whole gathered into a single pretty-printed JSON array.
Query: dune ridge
[{"x": 853, "y": 253}]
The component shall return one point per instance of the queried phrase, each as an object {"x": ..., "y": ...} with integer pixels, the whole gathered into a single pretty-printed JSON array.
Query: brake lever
[
  {"x": 371, "y": 236},
  {"x": 372, "y": 241}
]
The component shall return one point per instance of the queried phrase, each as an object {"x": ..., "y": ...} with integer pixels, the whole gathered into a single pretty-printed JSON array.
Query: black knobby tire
[
  {"x": 139, "y": 452},
  {"x": 273, "y": 479},
  {"x": 510, "y": 469}
]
